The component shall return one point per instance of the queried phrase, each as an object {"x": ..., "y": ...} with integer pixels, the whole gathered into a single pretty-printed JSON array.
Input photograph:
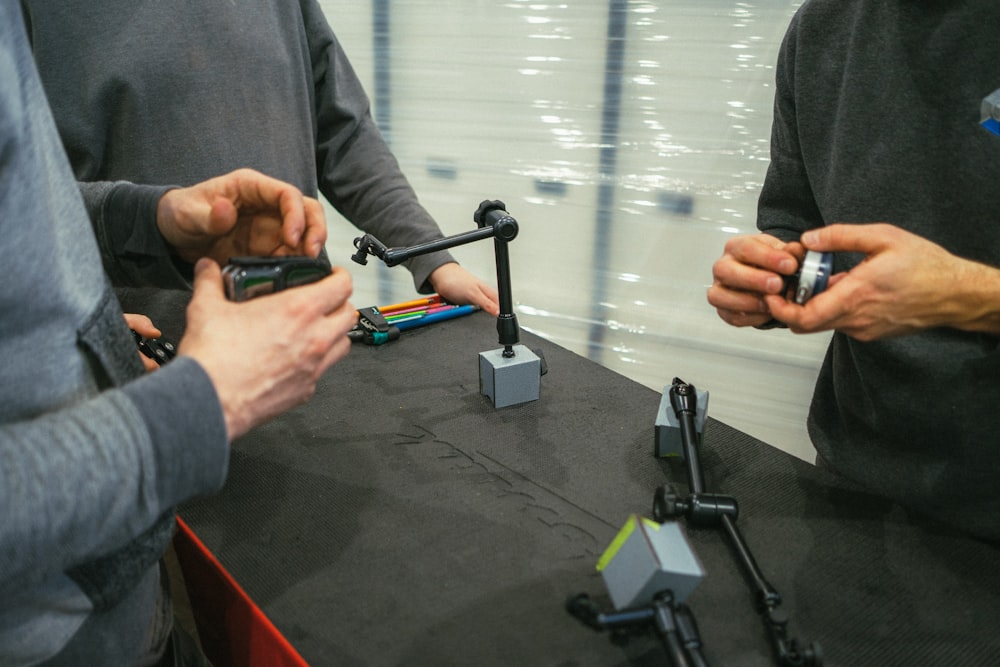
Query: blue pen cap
[{"x": 989, "y": 112}]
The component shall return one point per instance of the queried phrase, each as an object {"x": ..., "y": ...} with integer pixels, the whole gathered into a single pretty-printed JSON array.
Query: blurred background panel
[{"x": 629, "y": 139}]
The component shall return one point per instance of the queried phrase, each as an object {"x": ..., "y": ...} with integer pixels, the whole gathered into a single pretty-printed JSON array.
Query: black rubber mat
[{"x": 400, "y": 519}]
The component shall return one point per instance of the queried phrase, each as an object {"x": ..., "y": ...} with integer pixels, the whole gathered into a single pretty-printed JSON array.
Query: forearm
[
  {"x": 82, "y": 481},
  {"x": 974, "y": 304},
  {"x": 357, "y": 171},
  {"x": 366, "y": 185},
  {"x": 133, "y": 251}
]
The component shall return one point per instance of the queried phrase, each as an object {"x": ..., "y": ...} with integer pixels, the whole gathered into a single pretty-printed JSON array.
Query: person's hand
[
  {"x": 751, "y": 268},
  {"x": 458, "y": 286},
  {"x": 143, "y": 326},
  {"x": 265, "y": 355},
  {"x": 905, "y": 284},
  {"x": 238, "y": 214}
]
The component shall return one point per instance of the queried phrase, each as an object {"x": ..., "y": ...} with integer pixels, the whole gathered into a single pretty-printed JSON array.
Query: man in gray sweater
[
  {"x": 154, "y": 92},
  {"x": 93, "y": 456},
  {"x": 878, "y": 155}
]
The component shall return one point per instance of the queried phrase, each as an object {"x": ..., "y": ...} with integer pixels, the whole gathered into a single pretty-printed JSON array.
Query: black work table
[{"x": 399, "y": 519}]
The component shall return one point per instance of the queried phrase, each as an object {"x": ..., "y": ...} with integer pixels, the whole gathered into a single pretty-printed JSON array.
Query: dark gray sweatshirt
[
  {"x": 154, "y": 92},
  {"x": 877, "y": 120}
]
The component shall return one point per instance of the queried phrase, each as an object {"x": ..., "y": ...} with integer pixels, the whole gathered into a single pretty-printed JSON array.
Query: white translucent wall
[{"x": 628, "y": 162}]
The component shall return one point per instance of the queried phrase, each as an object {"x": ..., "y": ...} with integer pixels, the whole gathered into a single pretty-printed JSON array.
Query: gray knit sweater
[
  {"x": 149, "y": 92},
  {"x": 877, "y": 119},
  {"x": 91, "y": 457}
]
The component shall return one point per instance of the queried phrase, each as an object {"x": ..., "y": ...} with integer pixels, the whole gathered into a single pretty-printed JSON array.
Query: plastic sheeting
[{"x": 629, "y": 139}]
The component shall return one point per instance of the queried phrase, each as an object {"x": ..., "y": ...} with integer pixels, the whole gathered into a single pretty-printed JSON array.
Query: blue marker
[{"x": 439, "y": 316}]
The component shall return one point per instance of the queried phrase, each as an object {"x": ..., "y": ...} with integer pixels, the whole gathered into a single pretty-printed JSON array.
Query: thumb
[
  {"x": 867, "y": 238},
  {"x": 222, "y": 216},
  {"x": 208, "y": 279}
]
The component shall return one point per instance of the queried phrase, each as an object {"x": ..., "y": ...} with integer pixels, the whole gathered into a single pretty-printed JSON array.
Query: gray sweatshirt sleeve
[
  {"x": 357, "y": 172},
  {"x": 133, "y": 251},
  {"x": 786, "y": 207},
  {"x": 92, "y": 476}
]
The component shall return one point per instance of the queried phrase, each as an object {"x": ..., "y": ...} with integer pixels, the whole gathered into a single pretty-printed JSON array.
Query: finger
[
  {"x": 315, "y": 235},
  {"x": 331, "y": 336},
  {"x": 741, "y": 277},
  {"x": 340, "y": 349},
  {"x": 835, "y": 278},
  {"x": 735, "y": 300},
  {"x": 762, "y": 251},
  {"x": 148, "y": 364},
  {"x": 222, "y": 217},
  {"x": 742, "y": 319},
  {"x": 264, "y": 236},
  {"x": 868, "y": 239},
  {"x": 822, "y": 313},
  {"x": 344, "y": 319},
  {"x": 324, "y": 296},
  {"x": 476, "y": 293},
  {"x": 490, "y": 302},
  {"x": 782, "y": 310},
  {"x": 255, "y": 191},
  {"x": 142, "y": 325},
  {"x": 208, "y": 279},
  {"x": 797, "y": 250}
]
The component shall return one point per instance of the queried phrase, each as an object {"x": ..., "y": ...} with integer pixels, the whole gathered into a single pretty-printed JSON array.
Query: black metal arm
[
  {"x": 709, "y": 509},
  {"x": 493, "y": 222},
  {"x": 674, "y": 623}
]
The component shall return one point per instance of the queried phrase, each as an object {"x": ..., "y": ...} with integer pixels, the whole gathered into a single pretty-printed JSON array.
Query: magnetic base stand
[
  {"x": 509, "y": 376},
  {"x": 667, "y": 429},
  {"x": 704, "y": 509},
  {"x": 510, "y": 380}
]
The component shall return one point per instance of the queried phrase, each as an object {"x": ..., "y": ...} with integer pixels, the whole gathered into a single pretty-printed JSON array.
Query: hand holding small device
[
  {"x": 265, "y": 356},
  {"x": 154, "y": 351}
]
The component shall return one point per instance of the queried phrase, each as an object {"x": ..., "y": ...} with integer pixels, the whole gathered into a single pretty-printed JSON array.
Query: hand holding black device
[
  {"x": 247, "y": 277},
  {"x": 157, "y": 349}
]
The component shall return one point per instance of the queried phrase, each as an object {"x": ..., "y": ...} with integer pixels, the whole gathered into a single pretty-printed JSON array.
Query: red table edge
[{"x": 234, "y": 632}]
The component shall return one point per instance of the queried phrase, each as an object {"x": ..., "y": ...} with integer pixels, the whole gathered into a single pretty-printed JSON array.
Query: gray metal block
[
  {"x": 667, "y": 430},
  {"x": 510, "y": 381},
  {"x": 647, "y": 558}
]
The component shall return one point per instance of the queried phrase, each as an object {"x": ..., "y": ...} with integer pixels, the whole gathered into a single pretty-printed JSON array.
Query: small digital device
[
  {"x": 811, "y": 278},
  {"x": 248, "y": 277},
  {"x": 157, "y": 349}
]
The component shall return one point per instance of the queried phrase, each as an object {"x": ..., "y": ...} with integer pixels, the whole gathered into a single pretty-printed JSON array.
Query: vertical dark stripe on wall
[
  {"x": 614, "y": 64},
  {"x": 382, "y": 106},
  {"x": 382, "y": 99}
]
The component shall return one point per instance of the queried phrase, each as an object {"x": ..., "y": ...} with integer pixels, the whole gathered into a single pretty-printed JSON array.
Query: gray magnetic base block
[
  {"x": 667, "y": 428},
  {"x": 510, "y": 381},
  {"x": 647, "y": 558}
]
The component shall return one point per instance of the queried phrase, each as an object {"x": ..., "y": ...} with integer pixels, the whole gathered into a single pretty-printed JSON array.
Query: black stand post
[{"x": 710, "y": 509}]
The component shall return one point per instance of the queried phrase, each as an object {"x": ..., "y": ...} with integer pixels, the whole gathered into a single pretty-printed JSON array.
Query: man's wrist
[{"x": 977, "y": 298}]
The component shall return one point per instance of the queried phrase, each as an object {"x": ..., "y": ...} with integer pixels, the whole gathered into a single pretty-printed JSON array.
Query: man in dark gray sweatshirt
[
  {"x": 878, "y": 155},
  {"x": 92, "y": 455},
  {"x": 155, "y": 92}
]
